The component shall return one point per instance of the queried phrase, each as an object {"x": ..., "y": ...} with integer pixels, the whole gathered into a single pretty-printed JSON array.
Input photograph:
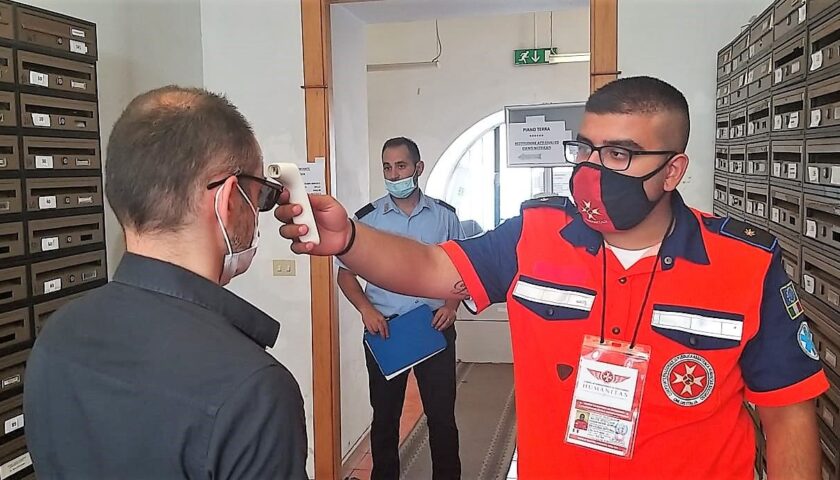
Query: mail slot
[
  {"x": 760, "y": 77},
  {"x": 10, "y": 200},
  {"x": 825, "y": 46},
  {"x": 758, "y": 159},
  {"x": 821, "y": 278},
  {"x": 722, "y": 127},
  {"x": 737, "y": 159},
  {"x": 823, "y": 161},
  {"x": 12, "y": 284},
  {"x": 761, "y": 33},
  {"x": 14, "y": 328},
  {"x": 63, "y": 193},
  {"x": 9, "y": 155},
  {"x": 11, "y": 415},
  {"x": 12, "y": 369},
  {"x": 737, "y": 123},
  {"x": 723, "y": 96},
  {"x": 741, "y": 51},
  {"x": 7, "y": 28},
  {"x": 724, "y": 62},
  {"x": 14, "y": 458},
  {"x": 789, "y": 110},
  {"x": 58, "y": 113},
  {"x": 66, "y": 232},
  {"x": 8, "y": 109},
  {"x": 737, "y": 195},
  {"x": 824, "y": 103},
  {"x": 788, "y": 157},
  {"x": 721, "y": 158},
  {"x": 738, "y": 87},
  {"x": 829, "y": 469},
  {"x": 791, "y": 257},
  {"x": 790, "y": 15},
  {"x": 758, "y": 118},
  {"x": 721, "y": 190},
  {"x": 789, "y": 61},
  {"x": 11, "y": 240},
  {"x": 56, "y": 32},
  {"x": 43, "y": 311},
  {"x": 756, "y": 203},
  {"x": 62, "y": 273},
  {"x": 7, "y": 65},
  {"x": 822, "y": 220},
  {"x": 826, "y": 335},
  {"x": 38, "y": 70},
  {"x": 40, "y": 153},
  {"x": 828, "y": 409},
  {"x": 785, "y": 208}
]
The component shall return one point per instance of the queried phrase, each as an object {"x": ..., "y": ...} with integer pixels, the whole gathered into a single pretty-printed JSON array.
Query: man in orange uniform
[{"x": 700, "y": 306}]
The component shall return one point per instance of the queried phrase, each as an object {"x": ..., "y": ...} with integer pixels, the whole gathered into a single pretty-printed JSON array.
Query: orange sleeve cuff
[
  {"x": 811, "y": 387},
  {"x": 468, "y": 275}
]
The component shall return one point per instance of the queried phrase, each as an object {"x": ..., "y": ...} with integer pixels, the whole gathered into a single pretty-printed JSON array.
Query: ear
[
  {"x": 226, "y": 209},
  {"x": 420, "y": 167},
  {"x": 675, "y": 171}
]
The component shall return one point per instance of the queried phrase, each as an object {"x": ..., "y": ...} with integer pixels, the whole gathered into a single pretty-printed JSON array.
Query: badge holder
[{"x": 608, "y": 395}]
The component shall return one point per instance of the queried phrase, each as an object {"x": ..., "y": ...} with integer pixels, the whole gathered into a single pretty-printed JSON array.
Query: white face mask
[{"x": 236, "y": 263}]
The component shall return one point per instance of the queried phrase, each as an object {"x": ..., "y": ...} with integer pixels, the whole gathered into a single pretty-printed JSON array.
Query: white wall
[
  {"x": 350, "y": 151},
  {"x": 476, "y": 77},
  {"x": 252, "y": 53},
  {"x": 678, "y": 41},
  {"x": 142, "y": 44}
]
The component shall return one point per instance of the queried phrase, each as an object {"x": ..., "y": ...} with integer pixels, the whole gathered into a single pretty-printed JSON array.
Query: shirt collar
[
  {"x": 423, "y": 202},
  {"x": 686, "y": 241},
  {"x": 171, "y": 280}
]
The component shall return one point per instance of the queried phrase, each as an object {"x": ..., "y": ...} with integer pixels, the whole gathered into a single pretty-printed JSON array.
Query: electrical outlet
[{"x": 284, "y": 268}]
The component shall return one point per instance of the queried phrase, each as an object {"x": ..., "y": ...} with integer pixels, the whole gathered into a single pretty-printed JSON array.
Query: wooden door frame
[{"x": 317, "y": 77}]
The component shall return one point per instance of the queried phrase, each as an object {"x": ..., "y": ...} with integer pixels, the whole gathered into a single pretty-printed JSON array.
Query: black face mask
[{"x": 609, "y": 201}]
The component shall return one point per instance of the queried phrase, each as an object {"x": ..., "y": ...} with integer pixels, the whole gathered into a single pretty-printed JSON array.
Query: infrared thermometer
[{"x": 289, "y": 175}]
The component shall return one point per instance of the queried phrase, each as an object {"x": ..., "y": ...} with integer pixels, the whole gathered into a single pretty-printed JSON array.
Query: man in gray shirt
[{"x": 162, "y": 373}]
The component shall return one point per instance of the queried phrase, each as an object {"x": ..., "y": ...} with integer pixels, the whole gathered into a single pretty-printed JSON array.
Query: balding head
[{"x": 166, "y": 147}]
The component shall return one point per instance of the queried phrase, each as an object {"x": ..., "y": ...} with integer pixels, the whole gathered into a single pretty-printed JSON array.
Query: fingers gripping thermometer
[{"x": 289, "y": 175}]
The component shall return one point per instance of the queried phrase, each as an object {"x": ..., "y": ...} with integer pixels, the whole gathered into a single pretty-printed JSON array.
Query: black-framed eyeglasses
[
  {"x": 269, "y": 191},
  {"x": 612, "y": 157}
]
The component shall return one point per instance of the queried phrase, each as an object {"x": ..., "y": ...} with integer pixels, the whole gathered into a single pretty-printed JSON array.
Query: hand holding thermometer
[{"x": 289, "y": 175}]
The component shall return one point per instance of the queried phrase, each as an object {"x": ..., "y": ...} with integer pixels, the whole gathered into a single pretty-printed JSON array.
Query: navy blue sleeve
[
  {"x": 492, "y": 256},
  {"x": 779, "y": 359}
]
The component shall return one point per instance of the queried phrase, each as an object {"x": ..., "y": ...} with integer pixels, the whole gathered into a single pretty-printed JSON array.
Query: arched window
[{"x": 472, "y": 175}]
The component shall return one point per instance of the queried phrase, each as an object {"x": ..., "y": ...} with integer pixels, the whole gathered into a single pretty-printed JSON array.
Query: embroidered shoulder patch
[
  {"x": 364, "y": 211},
  {"x": 446, "y": 205},
  {"x": 791, "y": 301}
]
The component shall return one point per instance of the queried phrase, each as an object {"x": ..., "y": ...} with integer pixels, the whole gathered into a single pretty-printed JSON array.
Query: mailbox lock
[
  {"x": 65, "y": 160},
  {"x": 60, "y": 81},
  {"x": 72, "y": 278},
  {"x": 69, "y": 239},
  {"x": 61, "y": 121},
  {"x": 67, "y": 200},
  {"x": 60, "y": 40}
]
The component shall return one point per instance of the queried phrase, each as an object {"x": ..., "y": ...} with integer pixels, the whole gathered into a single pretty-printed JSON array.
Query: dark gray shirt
[{"x": 161, "y": 374}]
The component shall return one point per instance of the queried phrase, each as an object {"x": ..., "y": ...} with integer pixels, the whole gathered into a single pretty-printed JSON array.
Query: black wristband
[{"x": 352, "y": 240}]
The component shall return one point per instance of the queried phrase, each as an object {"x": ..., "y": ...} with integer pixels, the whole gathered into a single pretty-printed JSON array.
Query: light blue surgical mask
[{"x": 401, "y": 188}]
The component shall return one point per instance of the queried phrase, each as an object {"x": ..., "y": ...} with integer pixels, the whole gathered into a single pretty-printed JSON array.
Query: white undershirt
[{"x": 628, "y": 258}]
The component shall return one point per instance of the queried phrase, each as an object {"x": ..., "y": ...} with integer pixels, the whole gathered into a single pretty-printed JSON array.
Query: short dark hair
[
  {"x": 642, "y": 95},
  {"x": 413, "y": 150},
  {"x": 166, "y": 147}
]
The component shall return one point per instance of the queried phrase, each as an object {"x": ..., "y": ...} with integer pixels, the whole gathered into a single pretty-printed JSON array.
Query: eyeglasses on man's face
[{"x": 610, "y": 156}]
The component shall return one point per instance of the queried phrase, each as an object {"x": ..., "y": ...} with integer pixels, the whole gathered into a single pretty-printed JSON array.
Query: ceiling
[{"x": 388, "y": 11}]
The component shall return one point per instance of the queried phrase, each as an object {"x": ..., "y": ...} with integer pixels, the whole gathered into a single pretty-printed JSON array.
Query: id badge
[{"x": 608, "y": 395}]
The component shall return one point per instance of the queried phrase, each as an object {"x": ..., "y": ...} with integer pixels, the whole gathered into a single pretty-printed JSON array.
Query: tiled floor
[{"x": 412, "y": 411}]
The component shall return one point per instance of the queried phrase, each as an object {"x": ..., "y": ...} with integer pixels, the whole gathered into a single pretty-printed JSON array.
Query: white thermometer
[{"x": 289, "y": 175}]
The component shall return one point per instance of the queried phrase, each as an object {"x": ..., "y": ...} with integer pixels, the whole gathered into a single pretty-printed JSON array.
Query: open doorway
[{"x": 429, "y": 70}]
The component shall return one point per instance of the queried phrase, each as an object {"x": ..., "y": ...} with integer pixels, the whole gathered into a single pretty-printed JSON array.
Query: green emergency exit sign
[{"x": 532, "y": 56}]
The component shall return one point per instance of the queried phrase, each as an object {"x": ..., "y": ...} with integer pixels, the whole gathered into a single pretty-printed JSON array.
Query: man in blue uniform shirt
[{"x": 408, "y": 212}]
